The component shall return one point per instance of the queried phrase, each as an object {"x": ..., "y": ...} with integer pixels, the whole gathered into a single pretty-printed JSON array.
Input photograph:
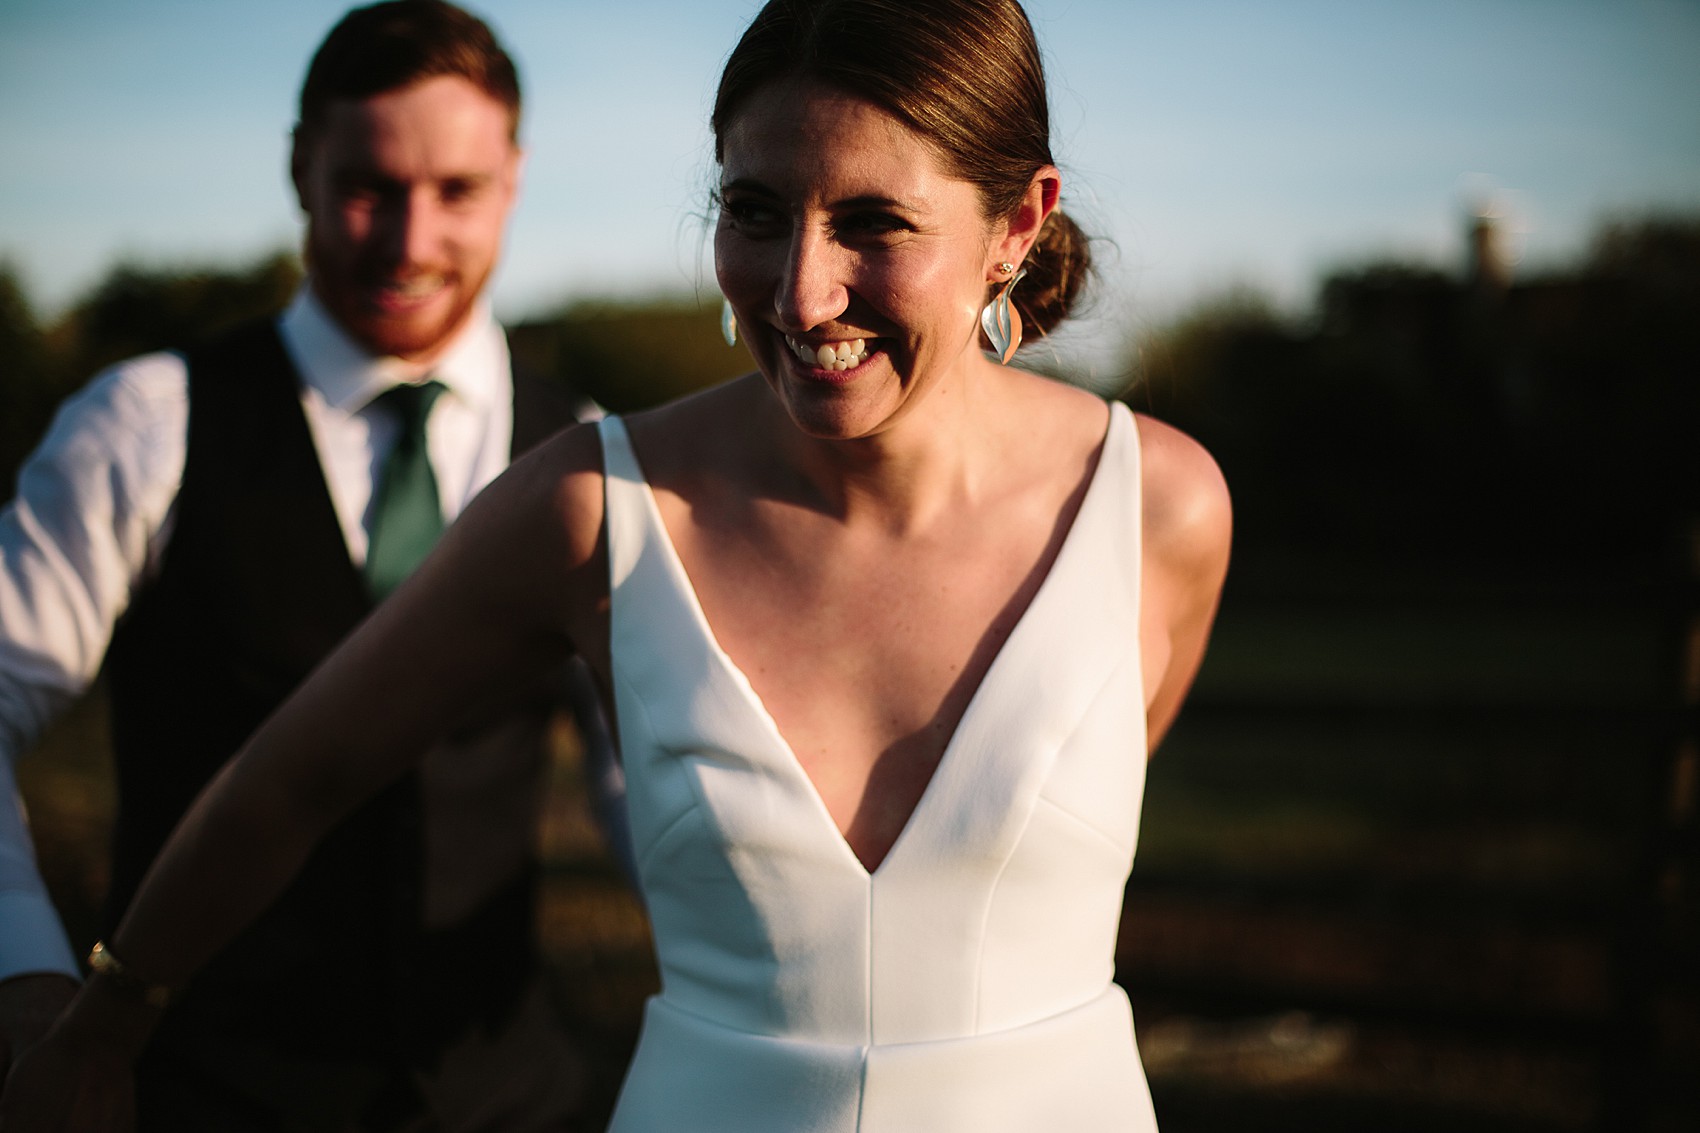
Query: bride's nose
[{"x": 811, "y": 288}]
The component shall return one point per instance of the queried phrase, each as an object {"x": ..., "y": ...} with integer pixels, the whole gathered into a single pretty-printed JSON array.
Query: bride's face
[{"x": 856, "y": 265}]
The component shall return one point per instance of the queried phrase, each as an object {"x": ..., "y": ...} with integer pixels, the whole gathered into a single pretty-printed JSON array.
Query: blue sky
[{"x": 1215, "y": 142}]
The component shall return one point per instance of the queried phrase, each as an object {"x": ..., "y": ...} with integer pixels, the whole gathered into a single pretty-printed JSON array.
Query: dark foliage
[
  {"x": 1425, "y": 416},
  {"x": 634, "y": 355},
  {"x": 140, "y": 309},
  {"x": 33, "y": 382},
  {"x": 134, "y": 310}
]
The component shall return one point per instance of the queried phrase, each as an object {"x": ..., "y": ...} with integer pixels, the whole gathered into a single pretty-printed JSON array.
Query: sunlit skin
[{"x": 407, "y": 196}]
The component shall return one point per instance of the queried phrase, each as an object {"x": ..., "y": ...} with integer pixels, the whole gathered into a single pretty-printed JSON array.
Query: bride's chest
[{"x": 853, "y": 651}]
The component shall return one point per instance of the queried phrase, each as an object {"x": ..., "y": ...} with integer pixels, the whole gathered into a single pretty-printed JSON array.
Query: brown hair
[
  {"x": 965, "y": 74},
  {"x": 387, "y": 46}
]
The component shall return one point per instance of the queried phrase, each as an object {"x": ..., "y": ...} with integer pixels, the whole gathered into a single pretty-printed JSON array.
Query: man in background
[{"x": 207, "y": 526}]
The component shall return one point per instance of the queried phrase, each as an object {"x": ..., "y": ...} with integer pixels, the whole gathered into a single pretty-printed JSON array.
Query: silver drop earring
[
  {"x": 728, "y": 323},
  {"x": 1001, "y": 321}
]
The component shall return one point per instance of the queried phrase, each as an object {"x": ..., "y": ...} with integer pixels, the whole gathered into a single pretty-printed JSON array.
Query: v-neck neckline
[{"x": 1060, "y": 564}]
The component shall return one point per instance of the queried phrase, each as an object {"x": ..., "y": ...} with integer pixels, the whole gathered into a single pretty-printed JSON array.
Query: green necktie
[{"x": 406, "y": 514}]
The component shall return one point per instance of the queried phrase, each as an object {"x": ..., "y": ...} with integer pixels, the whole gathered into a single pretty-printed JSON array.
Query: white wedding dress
[{"x": 964, "y": 986}]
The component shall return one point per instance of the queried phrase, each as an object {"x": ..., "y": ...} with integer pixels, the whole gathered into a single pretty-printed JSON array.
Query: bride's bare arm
[
  {"x": 515, "y": 584},
  {"x": 1188, "y": 523},
  {"x": 492, "y": 606}
]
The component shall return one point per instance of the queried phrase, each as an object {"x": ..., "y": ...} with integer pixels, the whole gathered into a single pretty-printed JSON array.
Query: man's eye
[
  {"x": 365, "y": 192},
  {"x": 459, "y": 192}
]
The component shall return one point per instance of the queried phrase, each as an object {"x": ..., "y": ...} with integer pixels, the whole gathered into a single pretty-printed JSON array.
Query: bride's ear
[{"x": 1022, "y": 227}]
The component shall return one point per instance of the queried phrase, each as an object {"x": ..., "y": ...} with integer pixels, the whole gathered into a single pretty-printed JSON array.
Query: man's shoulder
[
  {"x": 131, "y": 396},
  {"x": 544, "y": 406},
  {"x": 238, "y": 340},
  {"x": 115, "y": 444},
  {"x": 245, "y": 361}
]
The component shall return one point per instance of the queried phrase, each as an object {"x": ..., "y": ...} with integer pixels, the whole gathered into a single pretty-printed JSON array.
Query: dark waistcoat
[{"x": 414, "y": 920}]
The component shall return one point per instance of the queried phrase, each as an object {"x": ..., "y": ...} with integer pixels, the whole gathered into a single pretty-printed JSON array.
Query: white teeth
[
  {"x": 835, "y": 356},
  {"x": 414, "y": 288}
]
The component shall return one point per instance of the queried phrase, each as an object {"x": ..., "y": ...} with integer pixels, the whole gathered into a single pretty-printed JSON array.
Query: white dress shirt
[{"x": 94, "y": 512}]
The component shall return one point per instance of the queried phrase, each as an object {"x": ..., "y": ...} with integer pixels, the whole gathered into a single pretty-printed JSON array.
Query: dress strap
[{"x": 624, "y": 498}]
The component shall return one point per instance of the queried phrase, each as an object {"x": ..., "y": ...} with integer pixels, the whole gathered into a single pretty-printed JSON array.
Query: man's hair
[{"x": 394, "y": 44}]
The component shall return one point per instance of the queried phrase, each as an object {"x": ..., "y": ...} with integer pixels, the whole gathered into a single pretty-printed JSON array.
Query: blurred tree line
[
  {"x": 132, "y": 311},
  {"x": 1412, "y": 414},
  {"x": 1417, "y": 416}
]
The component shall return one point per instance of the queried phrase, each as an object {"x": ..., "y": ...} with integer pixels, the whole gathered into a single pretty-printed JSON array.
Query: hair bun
[{"x": 1059, "y": 266}]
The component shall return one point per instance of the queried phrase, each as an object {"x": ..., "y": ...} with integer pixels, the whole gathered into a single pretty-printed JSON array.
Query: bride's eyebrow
[
  {"x": 878, "y": 201},
  {"x": 859, "y": 201}
]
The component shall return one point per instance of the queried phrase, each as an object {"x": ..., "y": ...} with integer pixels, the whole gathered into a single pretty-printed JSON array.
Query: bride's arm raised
[{"x": 517, "y": 583}]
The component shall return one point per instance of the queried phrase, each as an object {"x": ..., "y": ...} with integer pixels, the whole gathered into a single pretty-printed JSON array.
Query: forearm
[
  {"x": 361, "y": 720},
  {"x": 459, "y": 632},
  {"x": 233, "y": 853},
  {"x": 231, "y": 856}
]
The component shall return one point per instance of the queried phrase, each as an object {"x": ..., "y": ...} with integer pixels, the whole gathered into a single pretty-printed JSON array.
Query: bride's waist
[
  {"x": 974, "y": 1081},
  {"x": 674, "y": 1014}
]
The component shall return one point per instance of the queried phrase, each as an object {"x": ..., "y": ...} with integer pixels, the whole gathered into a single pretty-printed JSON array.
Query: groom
[{"x": 208, "y": 525}]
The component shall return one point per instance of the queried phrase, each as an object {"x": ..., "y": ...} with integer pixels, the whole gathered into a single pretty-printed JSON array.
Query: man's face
[{"x": 406, "y": 195}]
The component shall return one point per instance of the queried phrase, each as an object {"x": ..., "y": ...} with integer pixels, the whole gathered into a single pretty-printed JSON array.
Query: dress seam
[{"x": 996, "y": 885}]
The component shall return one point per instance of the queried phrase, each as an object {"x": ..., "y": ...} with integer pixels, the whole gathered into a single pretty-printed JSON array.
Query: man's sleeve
[{"x": 88, "y": 522}]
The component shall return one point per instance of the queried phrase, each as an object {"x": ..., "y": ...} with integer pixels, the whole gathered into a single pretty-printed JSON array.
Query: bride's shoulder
[
  {"x": 700, "y": 435},
  {"x": 1188, "y": 514},
  {"x": 553, "y": 495}
]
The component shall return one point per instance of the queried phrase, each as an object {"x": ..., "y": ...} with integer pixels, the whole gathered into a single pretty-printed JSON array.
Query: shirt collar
[{"x": 348, "y": 377}]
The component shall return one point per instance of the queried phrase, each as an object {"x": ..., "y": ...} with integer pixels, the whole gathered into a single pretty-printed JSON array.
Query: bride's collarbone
[{"x": 873, "y": 665}]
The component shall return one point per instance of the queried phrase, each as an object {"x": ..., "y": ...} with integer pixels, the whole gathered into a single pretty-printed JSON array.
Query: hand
[
  {"x": 80, "y": 1077},
  {"x": 28, "y": 1006},
  {"x": 63, "y": 1086}
]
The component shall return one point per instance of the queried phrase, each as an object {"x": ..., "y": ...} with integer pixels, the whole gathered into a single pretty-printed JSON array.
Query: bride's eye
[
  {"x": 751, "y": 215},
  {"x": 869, "y": 226}
]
